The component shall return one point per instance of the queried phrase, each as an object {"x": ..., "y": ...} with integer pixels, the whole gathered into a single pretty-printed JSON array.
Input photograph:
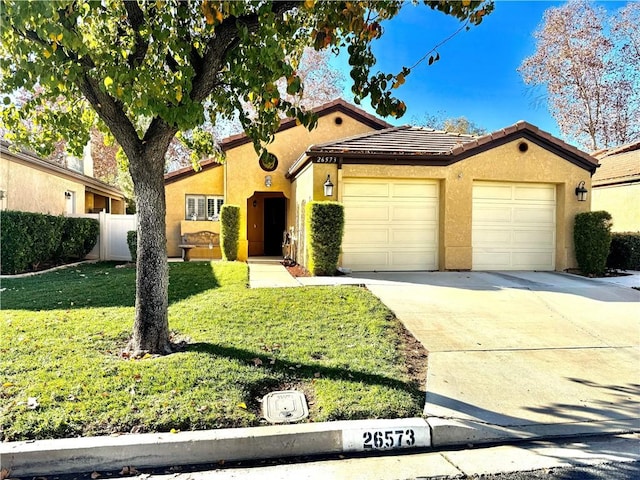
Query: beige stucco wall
[
  {"x": 30, "y": 189},
  {"x": 501, "y": 164},
  {"x": 622, "y": 202},
  {"x": 204, "y": 182}
]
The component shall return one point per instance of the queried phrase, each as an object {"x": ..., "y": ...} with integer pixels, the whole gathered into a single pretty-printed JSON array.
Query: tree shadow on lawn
[
  {"x": 293, "y": 373},
  {"x": 104, "y": 284}
]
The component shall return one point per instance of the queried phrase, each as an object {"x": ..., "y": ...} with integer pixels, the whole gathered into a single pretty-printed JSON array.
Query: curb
[
  {"x": 80, "y": 455},
  {"x": 153, "y": 450}
]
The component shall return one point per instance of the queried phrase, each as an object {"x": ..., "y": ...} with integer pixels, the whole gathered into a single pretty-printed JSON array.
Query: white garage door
[
  {"x": 390, "y": 224},
  {"x": 514, "y": 226}
]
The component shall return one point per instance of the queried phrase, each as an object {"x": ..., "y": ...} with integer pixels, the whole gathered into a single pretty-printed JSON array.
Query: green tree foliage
[
  {"x": 592, "y": 239},
  {"x": 324, "y": 229},
  {"x": 450, "y": 124},
  {"x": 625, "y": 251},
  {"x": 144, "y": 71},
  {"x": 229, "y": 231}
]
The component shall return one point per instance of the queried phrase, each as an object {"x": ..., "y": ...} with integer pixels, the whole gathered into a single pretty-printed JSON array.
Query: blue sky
[{"x": 477, "y": 75}]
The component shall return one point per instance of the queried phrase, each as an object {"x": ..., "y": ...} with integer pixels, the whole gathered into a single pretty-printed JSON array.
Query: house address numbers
[{"x": 326, "y": 160}]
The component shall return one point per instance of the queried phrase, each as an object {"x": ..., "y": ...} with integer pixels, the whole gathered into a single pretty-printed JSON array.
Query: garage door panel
[
  {"x": 515, "y": 231},
  {"x": 376, "y": 236},
  {"x": 409, "y": 236},
  {"x": 405, "y": 237},
  {"x": 414, "y": 190},
  {"x": 544, "y": 193},
  {"x": 492, "y": 214},
  {"x": 529, "y": 215},
  {"x": 533, "y": 238},
  {"x": 363, "y": 212},
  {"x": 497, "y": 192},
  {"x": 366, "y": 190},
  {"x": 491, "y": 236},
  {"x": 531, "y": 260},
  {"x": 413, "y": 212}
]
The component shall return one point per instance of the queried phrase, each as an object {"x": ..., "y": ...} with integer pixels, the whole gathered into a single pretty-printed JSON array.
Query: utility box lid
[{"x": 284, "y": 406}]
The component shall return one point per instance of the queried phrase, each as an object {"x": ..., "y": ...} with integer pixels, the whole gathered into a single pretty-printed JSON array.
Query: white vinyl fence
[{"x": 112, "y": 241}]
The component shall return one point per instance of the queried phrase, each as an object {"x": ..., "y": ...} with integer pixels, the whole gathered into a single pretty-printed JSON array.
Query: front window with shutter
[{"x": 203, "y": 207}]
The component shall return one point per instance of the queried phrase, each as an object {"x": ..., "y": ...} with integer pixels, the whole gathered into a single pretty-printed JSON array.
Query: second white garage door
[
  {"x": 514, "y": 226},
  {"x": 390, "y": 224}
]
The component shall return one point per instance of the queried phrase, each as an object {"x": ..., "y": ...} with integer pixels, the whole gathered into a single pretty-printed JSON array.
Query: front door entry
[{"x": 274, "y": 225}]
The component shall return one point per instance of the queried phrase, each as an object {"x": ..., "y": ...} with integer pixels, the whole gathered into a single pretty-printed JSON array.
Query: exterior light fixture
[
  {"x": 2, "y": 194},
  {"x": 581, "y": 192},
  {"x": 328, "y": 187},
  {"x": 267, "y": 180},
  {"x": 67, "y": 194}
]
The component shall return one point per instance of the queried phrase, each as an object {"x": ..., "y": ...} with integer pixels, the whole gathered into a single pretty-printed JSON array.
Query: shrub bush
[
  {"x": 79, "y": 236},
  {"x": 229, "y": 231},
  {"x": 625, "y": 251},
  {"x": 28, "y": 239},
  {"x": 592, "y": 239},
  {"x": 132, "y": 243},
  {"x": 324, "y": 226}
]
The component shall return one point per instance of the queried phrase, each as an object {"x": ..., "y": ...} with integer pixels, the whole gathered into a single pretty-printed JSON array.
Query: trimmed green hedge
[
  {"x": 132, "y": 243},
  {"x": 229, "y": 231},
  {"x": 592, "y": 239},
  {"x": 625, "y": 251},
  {"x": 29, "y": 239},
  {"x": 324, "y": 229}
]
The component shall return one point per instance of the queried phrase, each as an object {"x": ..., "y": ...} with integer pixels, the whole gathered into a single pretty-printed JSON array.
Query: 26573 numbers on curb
[{"x": 384, "y": 439}]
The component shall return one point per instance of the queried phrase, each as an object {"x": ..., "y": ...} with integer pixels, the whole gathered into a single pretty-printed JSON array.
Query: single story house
[
  {"x": 616, "y": 186},
  {"x": 415, "y": 198},
  {"x": 31, "y": 184}
]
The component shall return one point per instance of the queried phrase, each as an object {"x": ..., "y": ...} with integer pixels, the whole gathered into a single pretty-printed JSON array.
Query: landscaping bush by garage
[
  {"x": 324, "y": 228},
  {"x": 592, "y": 238},
  {"x": 624, "y": 252},
  {"x": 229, "y": 231}
]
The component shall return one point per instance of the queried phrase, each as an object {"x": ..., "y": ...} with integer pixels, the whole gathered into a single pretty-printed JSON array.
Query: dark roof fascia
[
  {"x": 323, "y": 110},
  {"x": 188, "y": 171},
  {"x": 446, "y": 159},
  {"x": 30, "y": 158},
  {"x": 620, "y": 181}
]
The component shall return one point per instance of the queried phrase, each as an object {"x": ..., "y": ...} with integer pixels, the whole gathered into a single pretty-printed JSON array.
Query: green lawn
[{"x": 62, "y": 373}]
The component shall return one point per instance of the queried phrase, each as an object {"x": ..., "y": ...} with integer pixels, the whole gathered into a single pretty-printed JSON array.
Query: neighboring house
[
  {"x": 415, "y": 198},
  {"x": 30, "y": 184},
  {"x": 616, "y": 186}
]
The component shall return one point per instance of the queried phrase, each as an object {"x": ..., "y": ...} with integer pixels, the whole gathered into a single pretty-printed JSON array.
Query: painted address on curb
[{"x": 381, "y": 435}]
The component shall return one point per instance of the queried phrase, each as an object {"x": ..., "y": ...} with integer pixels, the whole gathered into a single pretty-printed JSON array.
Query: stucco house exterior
[
  {"x": 616, "y": 186},
  {"x": 415, "y": 198},
  {"x": 31, "y": 184}
]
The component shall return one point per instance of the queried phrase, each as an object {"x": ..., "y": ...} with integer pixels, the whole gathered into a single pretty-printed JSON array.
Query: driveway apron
[{"x": 528, "y": 351}]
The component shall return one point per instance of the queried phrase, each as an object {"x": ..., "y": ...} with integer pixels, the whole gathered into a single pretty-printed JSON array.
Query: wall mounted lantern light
[
  {"x": 67, "y": 194},
  {"x": 2, "y": 194},
  {"x": 581, "y": 192},
  {"x": 328, "y": 187}
]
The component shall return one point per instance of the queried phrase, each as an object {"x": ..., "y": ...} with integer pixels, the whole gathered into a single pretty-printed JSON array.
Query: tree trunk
[{"x": 151, "y": 327}]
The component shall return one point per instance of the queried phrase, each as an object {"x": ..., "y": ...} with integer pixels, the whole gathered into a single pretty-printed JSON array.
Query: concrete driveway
[{"x": 522, "y": 354}]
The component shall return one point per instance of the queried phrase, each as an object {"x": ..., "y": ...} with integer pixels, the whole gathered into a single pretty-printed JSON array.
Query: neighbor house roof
[
  {"x": 91, "y": 184},
  {"x": 407, "y": 145},
  {"x": 618, "y": 165},
  {"x": 233, "y": 141}
]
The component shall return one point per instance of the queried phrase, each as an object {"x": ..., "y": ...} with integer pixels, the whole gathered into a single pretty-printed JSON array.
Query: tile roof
[
  {"x": 411, "y": 145},
  {"x": 618, "y": 165},
  {"x": 405, "y": 140}
]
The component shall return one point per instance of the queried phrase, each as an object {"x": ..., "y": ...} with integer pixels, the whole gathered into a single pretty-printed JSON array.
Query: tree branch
[{"x": 135, "y": 16}]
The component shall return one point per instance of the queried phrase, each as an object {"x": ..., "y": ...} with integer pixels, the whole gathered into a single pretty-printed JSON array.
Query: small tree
[
  {"x": 229, "y": 231},
  {"x": 592, "y": 239},
  {"x": 325, "y": 227}
]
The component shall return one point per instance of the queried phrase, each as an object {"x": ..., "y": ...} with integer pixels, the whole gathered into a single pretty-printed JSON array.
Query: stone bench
[{"x": 197, "y": 240}]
